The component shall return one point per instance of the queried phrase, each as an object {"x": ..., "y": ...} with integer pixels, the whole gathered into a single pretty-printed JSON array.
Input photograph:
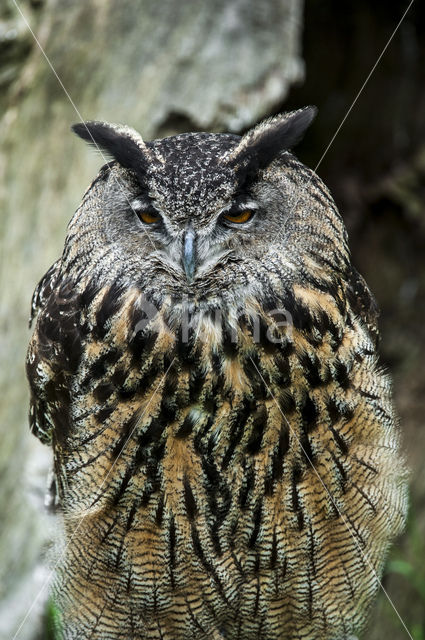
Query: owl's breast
[{"x": 233, "y": 481}]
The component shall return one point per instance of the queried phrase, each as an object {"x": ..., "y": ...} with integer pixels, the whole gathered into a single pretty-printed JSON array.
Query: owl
[{"x": 204, "y": 366}]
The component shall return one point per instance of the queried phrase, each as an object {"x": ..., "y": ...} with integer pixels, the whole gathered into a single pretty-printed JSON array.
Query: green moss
[{"x": 52, "y": 622}]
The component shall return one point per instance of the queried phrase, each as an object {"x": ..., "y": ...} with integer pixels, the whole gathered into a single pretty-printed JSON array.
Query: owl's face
[{"x": 203, "y": 219}]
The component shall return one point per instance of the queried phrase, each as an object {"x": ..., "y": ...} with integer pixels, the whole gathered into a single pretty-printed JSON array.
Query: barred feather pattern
[{"x": 241, "y": 479}]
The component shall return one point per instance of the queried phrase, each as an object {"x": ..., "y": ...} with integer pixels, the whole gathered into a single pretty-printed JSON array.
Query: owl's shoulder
[
  {"x": 55, "y": 348},
  {"x": 363, "y": 303},
  {"x": 44, "y": 289}
]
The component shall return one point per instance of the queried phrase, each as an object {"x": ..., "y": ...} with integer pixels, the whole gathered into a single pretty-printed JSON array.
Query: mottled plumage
[{"x": 225, "y": 446}]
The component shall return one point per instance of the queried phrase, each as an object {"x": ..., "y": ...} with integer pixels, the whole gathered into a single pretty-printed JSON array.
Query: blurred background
[{"x": 186, "y": 65}]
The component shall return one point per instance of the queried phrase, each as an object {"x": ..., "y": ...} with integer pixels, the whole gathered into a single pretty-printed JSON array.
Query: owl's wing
[
  {"x": 53, "y": 349},
  {"x": 37, "y": 372},
  {"x": 363, "y": 303},
  {"x": 43, "y": 290},
  {"x": 53, "y": 352}
]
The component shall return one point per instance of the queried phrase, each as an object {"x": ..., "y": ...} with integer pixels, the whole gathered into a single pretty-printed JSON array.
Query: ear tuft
[
  {"x": 122, "y": 143},
  {"x": 262, "y": 144}
]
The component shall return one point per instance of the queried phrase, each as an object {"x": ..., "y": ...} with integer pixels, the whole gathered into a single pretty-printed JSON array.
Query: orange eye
[
  {"x": 240, "y": 217},
  {"x": 147, "y": 217}
]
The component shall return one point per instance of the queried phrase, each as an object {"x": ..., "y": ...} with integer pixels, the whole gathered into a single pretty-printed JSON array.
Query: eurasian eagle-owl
[{"x": 204, "y": 366}]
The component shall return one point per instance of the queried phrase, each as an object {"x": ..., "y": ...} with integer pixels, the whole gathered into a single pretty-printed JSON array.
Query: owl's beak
[{"x": 189, "y": 255}]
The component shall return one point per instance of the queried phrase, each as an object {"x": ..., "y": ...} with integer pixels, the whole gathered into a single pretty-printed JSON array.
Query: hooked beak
[{"x": 189, "y": 262}]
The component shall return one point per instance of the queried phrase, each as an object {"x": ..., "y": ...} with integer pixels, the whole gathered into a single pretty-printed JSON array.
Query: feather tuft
[
  {"x": 262, "y": 144},
  {"x": 119, "y": 142}
]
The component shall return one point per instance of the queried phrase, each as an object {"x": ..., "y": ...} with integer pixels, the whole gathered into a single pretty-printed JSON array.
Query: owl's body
[{"x": 225, "y": 448}]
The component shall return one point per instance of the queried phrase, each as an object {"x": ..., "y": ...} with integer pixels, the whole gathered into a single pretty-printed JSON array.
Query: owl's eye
[
  {"x": 239, "y": 217},
  {"x": 145, "y": 211},
  {"x": 148, "y": 217}
]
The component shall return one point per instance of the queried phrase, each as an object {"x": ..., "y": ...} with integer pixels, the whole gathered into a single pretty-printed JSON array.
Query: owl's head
[{"x": 212, "y": 217}]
